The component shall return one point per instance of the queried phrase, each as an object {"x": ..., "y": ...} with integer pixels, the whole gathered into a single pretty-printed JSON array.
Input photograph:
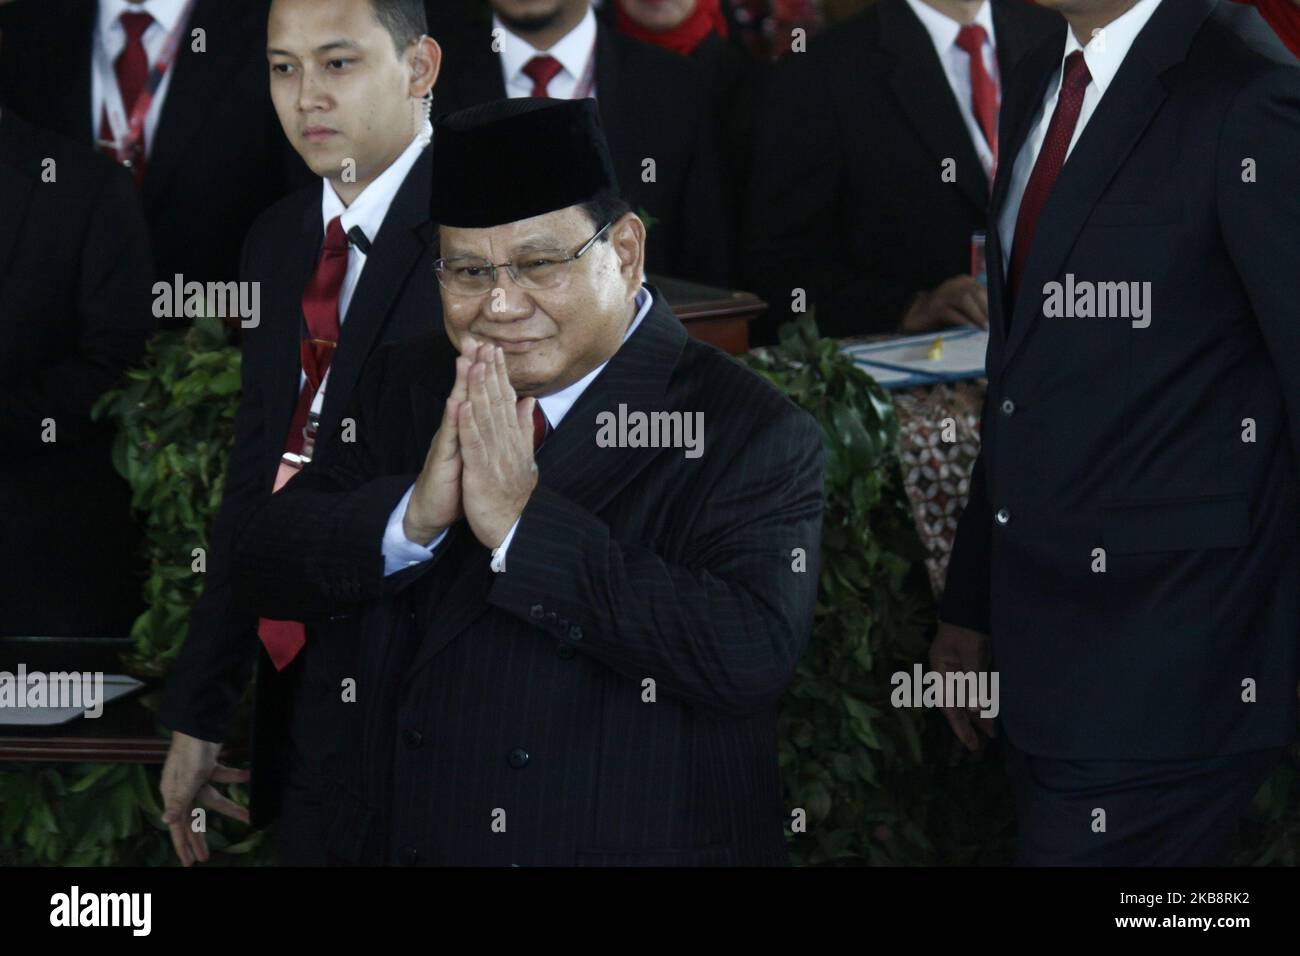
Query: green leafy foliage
[{"x": 175, "y": 418}]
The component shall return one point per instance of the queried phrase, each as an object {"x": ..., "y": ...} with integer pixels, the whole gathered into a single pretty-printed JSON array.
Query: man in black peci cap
[{"x": 585, "y": 557}]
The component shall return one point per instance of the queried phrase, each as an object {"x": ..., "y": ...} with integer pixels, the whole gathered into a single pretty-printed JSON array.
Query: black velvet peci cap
[{"x": 513, "y": 159}]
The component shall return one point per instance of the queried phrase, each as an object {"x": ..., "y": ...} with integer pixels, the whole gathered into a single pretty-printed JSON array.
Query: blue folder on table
[{"x": 899, "y": 363}]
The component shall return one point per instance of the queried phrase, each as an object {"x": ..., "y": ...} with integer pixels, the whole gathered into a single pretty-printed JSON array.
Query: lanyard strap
[{"x": 129, "y": 131}]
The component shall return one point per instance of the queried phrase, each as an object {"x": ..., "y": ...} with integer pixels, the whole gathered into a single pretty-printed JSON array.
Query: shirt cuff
[
  {"x": 400, "y": 552},
  {"x": 499, "y": 555}
]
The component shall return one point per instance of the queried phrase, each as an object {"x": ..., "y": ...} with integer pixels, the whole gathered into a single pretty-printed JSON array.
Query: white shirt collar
[
  {"x": 572, "y": 50},
  {"x": 1106, "y": 51},
  {"x": 556, "y": 406},
  {"x": 165, "y": 13},
  {"x": 369, "y": 209},
  {"x": 943, "y": 29}
]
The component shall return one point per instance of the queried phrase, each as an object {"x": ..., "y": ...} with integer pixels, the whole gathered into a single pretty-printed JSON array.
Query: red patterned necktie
[
  {"x": 541, "y": 427},
  {"x": 984, "y": 95},
  {"x": 1048, "y": 167},
  {"x": 132, "y": 69},
  {"x": 541, "y": 70},
  {"x": 320, "y": 307}
]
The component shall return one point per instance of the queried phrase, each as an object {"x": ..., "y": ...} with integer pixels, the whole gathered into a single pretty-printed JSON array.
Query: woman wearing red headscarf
[
  {"x": 677, "y": 25},
  {"x": 1284, "y": 17}
]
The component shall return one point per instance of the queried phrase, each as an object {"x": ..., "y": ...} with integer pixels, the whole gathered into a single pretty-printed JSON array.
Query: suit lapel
[
  {"x": 285, "y": 314},
  {"x": 637, "y": 376},
  {"x": 474, "y": 78},
  {"x": 197, "y": 79},
  {"x": 921, "y": 93},
  {"x": 1022, "y": 94},
  {"x": 402, "y": 240},
  {"x": 68, "y": 74},
  {"x": 17, "y": 180},
  {"x": 609, "y": 87},
  {"x": 1131, "y": 101}
]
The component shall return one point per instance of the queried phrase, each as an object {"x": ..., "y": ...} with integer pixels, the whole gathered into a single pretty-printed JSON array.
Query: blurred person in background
[{"x": 206, "y": 152}]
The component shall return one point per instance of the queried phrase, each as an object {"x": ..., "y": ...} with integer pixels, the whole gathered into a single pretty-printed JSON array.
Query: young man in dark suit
[
  {"x": 653, "y": 105},
  {"x": 75, "y": 310},
  {"x": 344, "y": 266},
  {"x": 573, "y": 633},
  {"x": 211, "y": 156},
  {"x": 873, "y": 166},
  {"x": 1129, "y": 553}
]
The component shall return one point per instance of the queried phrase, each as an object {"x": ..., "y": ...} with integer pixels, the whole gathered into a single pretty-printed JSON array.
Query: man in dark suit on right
[
  {"x": 1129, "y": 552},
  {"x": 873, "y": 166}
]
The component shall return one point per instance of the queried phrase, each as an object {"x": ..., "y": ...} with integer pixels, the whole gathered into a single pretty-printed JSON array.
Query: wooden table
[
  {"x": 127, "y": 731},
  {"x": 720, "y": 317}
]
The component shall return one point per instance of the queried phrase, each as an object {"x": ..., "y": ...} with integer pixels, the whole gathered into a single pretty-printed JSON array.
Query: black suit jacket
[
  {"x": 1099, "y": 435},
  {"x": 653, "y": 105},
  {"x": 396, "y": 298},
  {"x": 219, "y": 157},
  {"x": 74, "y": 314},
  {"x": 523, "y": 691},
  {"x": 847, "y": 199}
]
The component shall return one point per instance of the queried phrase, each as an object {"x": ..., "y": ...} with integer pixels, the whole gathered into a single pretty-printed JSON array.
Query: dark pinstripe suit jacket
[{"x": 503, "y": 718}]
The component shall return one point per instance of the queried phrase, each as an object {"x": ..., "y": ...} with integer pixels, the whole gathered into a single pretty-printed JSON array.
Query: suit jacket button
[
  {"x": 412, "y": 738},
  {"x": 537, "y": 612},
  {"x": 575, "y": 633},
  {"x": 410, "y": 856},
  {"x": 519, "y": 758},
  {"x": 1003, "y": 516},
  {"x": 1008, "y": 407},
  {"x": 565, "y": 651}
]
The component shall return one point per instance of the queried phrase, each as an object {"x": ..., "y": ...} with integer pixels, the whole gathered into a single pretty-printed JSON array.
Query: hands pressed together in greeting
[{"x": 480, "y": 463}]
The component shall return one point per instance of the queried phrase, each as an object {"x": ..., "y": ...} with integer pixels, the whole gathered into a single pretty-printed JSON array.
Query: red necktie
[
  {"x": 541, "y": 70},
  {"x": 984, "y": 96},
  {"x": 320, "y": 306},
  {"x": 132, "y": 69},
  {"x": 1050, "y": 160},
  {"x": 541, "y": 427}
]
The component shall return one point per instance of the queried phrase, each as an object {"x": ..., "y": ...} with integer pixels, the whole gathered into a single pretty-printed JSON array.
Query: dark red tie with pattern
[
  {"x": 541, "y": 70},
  {"x": 983, "y": 93},
  {"x": 320, "y": 307},
  {"x": 132, "y": 69},
  {"x": 541, "y": 427},
  {"x": 1050, "y": 160}
]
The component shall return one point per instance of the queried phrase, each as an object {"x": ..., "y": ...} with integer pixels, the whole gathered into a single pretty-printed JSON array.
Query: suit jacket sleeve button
[
  {"x": 1003, "y": 516},
  {"x": 519, "y": 758},
  {"x": 537, "y": 612},
  {"x": 575, "y": 633},
  {"x": 410, "y": 856},
  {"x": 412, "y": 738}
]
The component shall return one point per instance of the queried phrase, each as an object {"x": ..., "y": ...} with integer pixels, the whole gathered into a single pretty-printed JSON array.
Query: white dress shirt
[
  {"x": 1104, "y": 55},
  {"x": 574, "y": 51},
  {"x": 367, "y": 211},
  {"x": 943, "y": 32},
  {"x": 110, "y": 32},
  {"x": 400, "y": 552}
]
